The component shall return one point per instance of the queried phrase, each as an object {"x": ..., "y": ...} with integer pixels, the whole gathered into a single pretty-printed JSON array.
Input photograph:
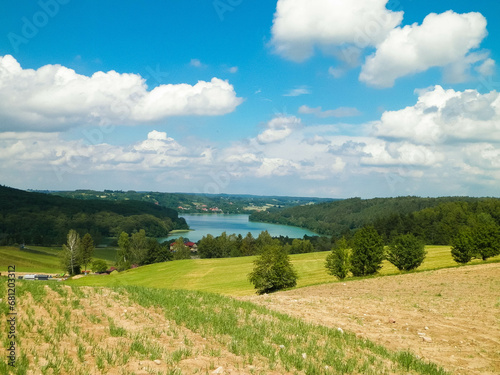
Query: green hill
[
  {"x": 229, "y": 275},
  {"x": 42, "y": 219},
  {"x": 433, "y": 219}
]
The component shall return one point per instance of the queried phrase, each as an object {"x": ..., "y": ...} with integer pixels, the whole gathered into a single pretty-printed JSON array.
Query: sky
[{"x": 323, "y": 98}]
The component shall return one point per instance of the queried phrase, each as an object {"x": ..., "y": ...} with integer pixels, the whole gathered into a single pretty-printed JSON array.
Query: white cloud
[
  {"x": 339, "y": 112},
  {"x": 297, "y": 92},
  {"x": 301, "y": 25},
  {"x": 441, "y": 40},
  {"x": 487, "y": 68},
  {"x": 441, "y": 116},
  {"x": 233, "y": 69},
  {"x": 448, "y": 135},
  {"x": 54, "y": 97},
  {"x": 278, "y": 129},
  {"x": 196, "y": 63},
  {"x": 276, "y": 167}
]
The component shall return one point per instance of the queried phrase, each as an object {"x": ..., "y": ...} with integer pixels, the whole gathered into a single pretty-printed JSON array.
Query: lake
[{"x": 215, "y": 224}]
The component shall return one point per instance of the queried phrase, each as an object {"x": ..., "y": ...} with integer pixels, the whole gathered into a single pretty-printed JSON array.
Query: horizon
[{"x": 328, "y": 99}]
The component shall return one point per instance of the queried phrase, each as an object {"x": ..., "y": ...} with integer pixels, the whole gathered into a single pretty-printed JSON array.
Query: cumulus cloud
[
  {"x": 441, "y": 40},
  {"x": 345, "y": 29},
  {"x": 301, "y": 25},
  {"x": 54, "y": 97},
  {"x": 278, "y": 129},
  {"x": 441, "y": 116},
  {"x": 339, "y": 112}
]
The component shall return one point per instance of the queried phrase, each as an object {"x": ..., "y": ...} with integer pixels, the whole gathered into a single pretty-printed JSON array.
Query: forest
[
  {"x": 434, "y": 220},
  {"x": 42, "y": 219}
]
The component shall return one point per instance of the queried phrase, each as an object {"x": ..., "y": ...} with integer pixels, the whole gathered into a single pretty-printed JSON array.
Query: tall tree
[
  {"x": 367, "y": 252},
  {"x": 123, "y": 261},
  {"x": 138, "y": 247},
  {"x": 71, "y": 253},
  {"x": 87, "y": 250}
]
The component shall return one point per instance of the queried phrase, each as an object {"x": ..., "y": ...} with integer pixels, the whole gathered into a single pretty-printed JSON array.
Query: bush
[
  {"x": 99, "y": 266},
  {"x": 406, "y": 252},
  {"x": 367, "y": 252},
  {"x": 338, "y": 262},
  {"x": 273, "y": 270}
]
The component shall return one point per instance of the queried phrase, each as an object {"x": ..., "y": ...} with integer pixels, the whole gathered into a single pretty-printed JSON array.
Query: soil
[{"x": 450, "y": 316}]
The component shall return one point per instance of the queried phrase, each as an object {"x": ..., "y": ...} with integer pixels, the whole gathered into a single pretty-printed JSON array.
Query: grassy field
[
  {"x": 42, "y": 259},
  {"x": 229, "y": 276},
  {"x": 133, "y": 330}
]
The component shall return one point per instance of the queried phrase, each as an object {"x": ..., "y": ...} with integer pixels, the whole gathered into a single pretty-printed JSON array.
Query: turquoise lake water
[{"x": 215, "y": 224}]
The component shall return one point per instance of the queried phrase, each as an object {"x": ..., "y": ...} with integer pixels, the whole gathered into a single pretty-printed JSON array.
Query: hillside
[
  {"x": 42, "y": 219},
  {"x": 433, "y": 219},
  {"x": 136, "y": 330},
  {"x": 196, "y": 203}
]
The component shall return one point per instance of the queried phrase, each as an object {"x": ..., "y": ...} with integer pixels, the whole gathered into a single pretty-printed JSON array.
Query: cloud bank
[{"x": 54, "y": 98}]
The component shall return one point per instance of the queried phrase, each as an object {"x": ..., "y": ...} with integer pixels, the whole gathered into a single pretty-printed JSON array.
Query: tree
[
  {"x": 486, "y": 239},
  {"x": 406, "y": 252},
  {"x": 338, "y": 262},
  {"x": 248, "y": 245},
  {"x": 301, "y": 246},
  {"x": 181, "y": 251},
  {"x": 157, "y": 253},
  {"x": 264, "y": 239},
  {"x": 87, "y": 250},
  {"x": 273, "y": 270},
  {"x": 123, "y": 261},
  {"x": 207, "y": 248},
  {"x": 99, "y": 266},
  {"x": 462, "y": 248},
  {"x": 138, "y": 247},
  {"x": 367, "y": 252},
  {"x": 71, "y": 253}
]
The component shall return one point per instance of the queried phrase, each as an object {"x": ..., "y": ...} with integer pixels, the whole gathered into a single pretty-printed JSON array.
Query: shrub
[
  {"x": 273, "y": 270},
  {"x": 99, "y": 266},
  {"x": 338, "y": 262},
  {"x": 367, "y": 252},
  {"x": 406, "y": 252}
]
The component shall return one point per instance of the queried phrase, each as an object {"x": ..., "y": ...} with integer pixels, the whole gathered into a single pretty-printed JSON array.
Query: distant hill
[
  {"x": 43, "y": 219},
  {"x": 195, "y": 203},
  {"x": 433, "y": 219}
]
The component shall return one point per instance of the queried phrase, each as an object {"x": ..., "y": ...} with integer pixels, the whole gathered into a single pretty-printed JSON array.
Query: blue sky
[{"x": 329, "y": 98}]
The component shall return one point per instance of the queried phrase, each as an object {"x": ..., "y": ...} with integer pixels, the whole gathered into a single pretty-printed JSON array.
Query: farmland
[
  {"x": 141, "y": 322},
  {"x": 136, "y": 330}
]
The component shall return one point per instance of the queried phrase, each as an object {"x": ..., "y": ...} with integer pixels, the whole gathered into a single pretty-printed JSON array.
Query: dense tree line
[
  {"x": 433, "y": 220},
  {"x": 225, "y": 246},
  {"x": 42, "y": 219}
]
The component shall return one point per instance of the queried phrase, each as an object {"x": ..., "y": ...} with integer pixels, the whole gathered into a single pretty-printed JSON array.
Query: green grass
[
  {"x": 229, "y": 276},
  {"x": 43, "y": 259}
]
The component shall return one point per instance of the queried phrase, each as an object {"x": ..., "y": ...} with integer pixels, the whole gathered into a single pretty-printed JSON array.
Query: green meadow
[
  {"x": 40, "y": 259},
  {"x": 229, "y": 276}
]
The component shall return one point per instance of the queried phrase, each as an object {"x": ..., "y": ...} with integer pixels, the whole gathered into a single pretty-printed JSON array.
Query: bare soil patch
[
  {"x": 449, "y": 316},
  {"x": 100, "y": 331}
]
